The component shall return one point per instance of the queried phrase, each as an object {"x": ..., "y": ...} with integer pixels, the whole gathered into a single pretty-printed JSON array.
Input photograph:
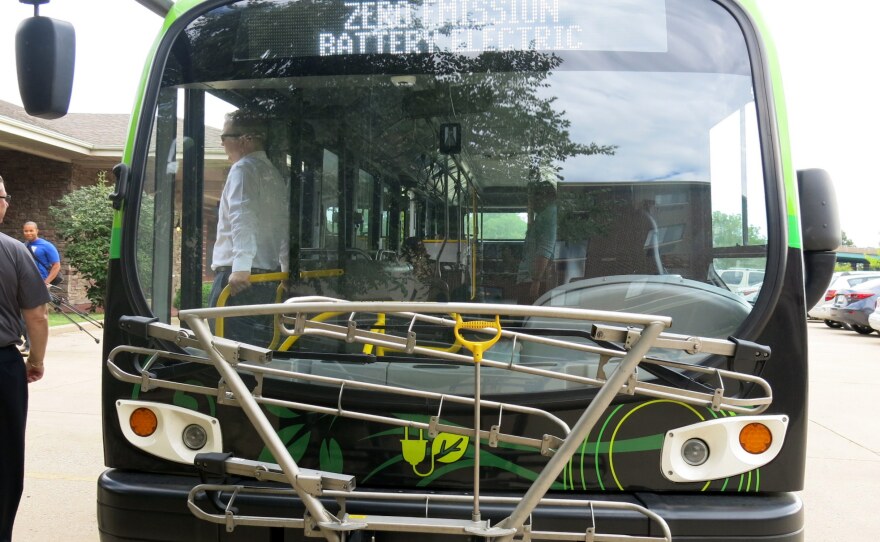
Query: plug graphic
[{"x": 415, "y": 450}]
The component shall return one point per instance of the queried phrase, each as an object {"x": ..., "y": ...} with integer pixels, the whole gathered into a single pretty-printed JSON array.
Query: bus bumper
[{"x": 134, "y": 506}]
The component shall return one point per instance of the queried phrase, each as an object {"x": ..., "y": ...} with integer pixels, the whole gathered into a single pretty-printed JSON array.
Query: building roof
[
  {"x": 72, "y": 138},
  {"x": 76, "y": 137},
  {"x": 95, "y": 128}
]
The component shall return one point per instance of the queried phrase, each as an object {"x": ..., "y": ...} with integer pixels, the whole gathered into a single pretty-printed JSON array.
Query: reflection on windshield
[{"x": 622, "y": 178}]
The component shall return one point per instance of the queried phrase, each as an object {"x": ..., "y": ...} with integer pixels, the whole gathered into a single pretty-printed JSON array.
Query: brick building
[{"x": 42, "y": 160}]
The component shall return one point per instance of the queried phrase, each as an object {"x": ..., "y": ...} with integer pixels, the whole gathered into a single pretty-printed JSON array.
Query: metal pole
[
  {"x": 260, "y": 423},
  {"x": 580, "y": 431},
  {"x": 476, "y": 513}
]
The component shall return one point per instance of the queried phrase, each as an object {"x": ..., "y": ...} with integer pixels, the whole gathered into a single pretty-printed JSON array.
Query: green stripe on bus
[
  {"x": 116, "y": 236},
  {"x": 788, "y": 173}
]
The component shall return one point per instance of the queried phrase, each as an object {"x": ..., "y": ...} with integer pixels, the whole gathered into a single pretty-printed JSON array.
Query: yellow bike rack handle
[{"x": 477, "y": 347}]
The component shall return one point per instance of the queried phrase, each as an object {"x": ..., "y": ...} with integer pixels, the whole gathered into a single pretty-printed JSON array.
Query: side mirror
[
  {"x": 820, "y": 228},
  {"x": 44, "y": 55}
]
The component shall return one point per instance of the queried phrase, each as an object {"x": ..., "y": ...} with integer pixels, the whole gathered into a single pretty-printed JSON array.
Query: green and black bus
[{"x": 504, "y": 314}]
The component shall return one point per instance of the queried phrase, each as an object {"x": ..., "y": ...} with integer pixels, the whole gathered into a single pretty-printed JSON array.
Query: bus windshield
[{"x": 544, "y": 152}]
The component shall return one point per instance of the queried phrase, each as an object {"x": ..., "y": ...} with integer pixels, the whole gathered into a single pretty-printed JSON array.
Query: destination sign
[
  {"x": 292, "y": 28},
  {"x": 458, "y": 26}
]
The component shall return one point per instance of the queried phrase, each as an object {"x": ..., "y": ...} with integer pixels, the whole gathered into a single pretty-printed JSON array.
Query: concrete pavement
[
  {"x": 842, "y": 494},
  {"x": 842, "y": 491},
  {"x": 64, "y": 454}
]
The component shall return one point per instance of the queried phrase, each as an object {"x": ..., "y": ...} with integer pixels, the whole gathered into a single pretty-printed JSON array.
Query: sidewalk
[{"x": 63, "y": 452}]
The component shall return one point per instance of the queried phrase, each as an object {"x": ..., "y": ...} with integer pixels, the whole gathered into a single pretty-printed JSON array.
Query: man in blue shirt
[
  {"x": 45, "y": 253},
  {"x": 48, "y": 264}
]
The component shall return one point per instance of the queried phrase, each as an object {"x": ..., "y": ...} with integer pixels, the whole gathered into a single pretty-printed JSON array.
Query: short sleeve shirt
[
  {"x": 45, "y": 254},
  {"x": 21, "y": 287}
]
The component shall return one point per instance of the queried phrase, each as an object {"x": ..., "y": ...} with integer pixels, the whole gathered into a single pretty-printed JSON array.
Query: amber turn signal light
[
  {"x": 143, "y": 422},
  {"x": 755, "y": 438}
]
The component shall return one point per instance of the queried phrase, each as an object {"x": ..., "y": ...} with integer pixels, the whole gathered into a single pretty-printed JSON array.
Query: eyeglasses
[
  {"x": 7, "y": 197},
  {"x": 224, "y": 137}
]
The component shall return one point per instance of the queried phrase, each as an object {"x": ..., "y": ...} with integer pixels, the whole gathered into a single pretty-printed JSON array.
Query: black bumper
[{"x": 135, "y": 506}]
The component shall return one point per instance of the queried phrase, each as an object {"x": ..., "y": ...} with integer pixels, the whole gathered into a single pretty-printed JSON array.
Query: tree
[
  {"x": 727, "y": 231},
  {"x": 845, "y": 241},
  {"x": 504, "y": 226},
  {"x": 84, "y": 219}
]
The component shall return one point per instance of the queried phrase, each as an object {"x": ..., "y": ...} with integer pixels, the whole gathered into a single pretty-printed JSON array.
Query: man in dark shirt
[{"x": 22, "y": 294}]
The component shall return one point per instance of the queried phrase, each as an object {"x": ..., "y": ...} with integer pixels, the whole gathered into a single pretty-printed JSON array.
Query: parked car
[
  {"x": 740, "y": 279},
  {"x": 750, "y": 294},
  {"x": 874, "y": 317},
  {"x": 853, "y": 305},
  {"x": 839, "y": 281}
]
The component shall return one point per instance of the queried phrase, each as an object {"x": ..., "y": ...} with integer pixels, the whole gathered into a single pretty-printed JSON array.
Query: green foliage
[
  {"x": 845, "y": 241},
  {"x": 583, "y": 215},
  {"x": 58, "y": 319},
  {"x": 206, "y": 295},
  {"x": 727, "y": 231},
  {"x": 504, "y": 226},
  {"x": 144, "y": 251},
  {"x": 873, "y": 262},
  {"x": 84, "y": 219}
]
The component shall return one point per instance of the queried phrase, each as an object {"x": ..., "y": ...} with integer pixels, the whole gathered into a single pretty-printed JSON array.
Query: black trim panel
[{"x": 139, "y": 507}]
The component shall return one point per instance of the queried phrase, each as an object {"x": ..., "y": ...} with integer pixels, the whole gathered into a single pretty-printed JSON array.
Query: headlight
[
  {"x": 722, "y": 447},
  {"x": 195, "y": 437},
  {"x": 167, "y": 431},
  {"x": 695, "y": 452}
]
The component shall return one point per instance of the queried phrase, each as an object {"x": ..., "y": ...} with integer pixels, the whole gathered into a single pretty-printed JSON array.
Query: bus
[{"x": 500, "y": 311}]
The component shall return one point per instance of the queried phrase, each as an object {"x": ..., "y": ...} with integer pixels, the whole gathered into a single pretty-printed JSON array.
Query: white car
[
  {"x": 741, "y": 280},
  {"x": 839, "y": 281},
  {"x": 874, "y": 317}
]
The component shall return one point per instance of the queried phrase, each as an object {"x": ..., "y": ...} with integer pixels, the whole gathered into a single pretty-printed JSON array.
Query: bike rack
[{"x": 637, "y": 335}]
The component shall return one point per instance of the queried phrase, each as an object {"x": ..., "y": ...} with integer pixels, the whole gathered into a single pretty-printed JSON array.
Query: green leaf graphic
[
  {"x": 448, "y": 448},
  {"x": 331, "y": 456},
  {"x": 281, "y": 412},
  {"x": 286, "y": 435},
  {"x": 298, "y": 449},
  {"x": 186, "y": 401}
]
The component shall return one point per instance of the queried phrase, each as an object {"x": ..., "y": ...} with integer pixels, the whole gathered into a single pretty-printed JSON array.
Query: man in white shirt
[
  {"x": 536, "y": 264},
  {"x": 252, "y": 226}
]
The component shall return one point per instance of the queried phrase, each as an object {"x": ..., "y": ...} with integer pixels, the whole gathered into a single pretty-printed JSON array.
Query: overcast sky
[{"x": 826, "y": 51}]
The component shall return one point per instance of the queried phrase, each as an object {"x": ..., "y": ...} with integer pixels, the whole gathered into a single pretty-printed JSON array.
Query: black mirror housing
[
  {"x": 44, "y": 55},
  {"x": 820, "y": 228},
  {"x": 820, "y": 220}
]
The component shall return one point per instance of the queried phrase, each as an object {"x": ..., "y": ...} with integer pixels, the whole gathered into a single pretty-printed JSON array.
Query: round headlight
[
  {"x": 695, "y": 452},
  {"x": 195, "y": 437}
]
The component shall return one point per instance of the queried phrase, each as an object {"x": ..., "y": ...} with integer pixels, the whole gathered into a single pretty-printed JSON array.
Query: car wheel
[
  {"x": 862, "y": 330},
  {"x": 832, "y": 323}
]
